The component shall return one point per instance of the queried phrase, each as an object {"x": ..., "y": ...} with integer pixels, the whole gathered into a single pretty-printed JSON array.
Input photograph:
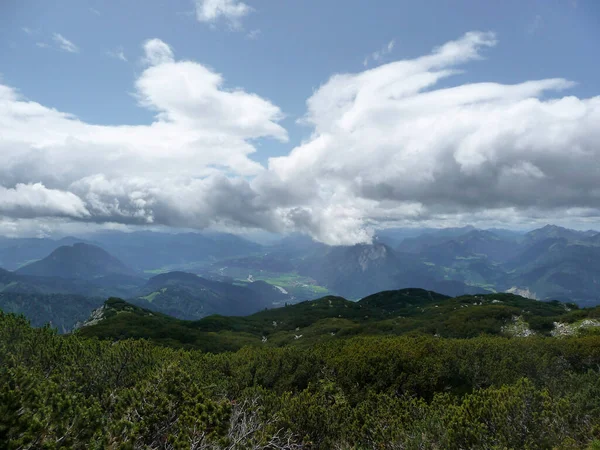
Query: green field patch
[
  {"x": 297, "y": 285},
  {"x": 24, "y": 263},
  {"x": 150, "y": 297}
]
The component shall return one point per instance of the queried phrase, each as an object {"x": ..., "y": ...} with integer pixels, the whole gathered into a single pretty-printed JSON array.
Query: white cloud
[
  {"x": 42, "y": 45},
  {"x": 157, "y": 52},
  {"x": 167, "y": 172},
  {"x": 34, "y": 200},
  {"x": 232, "y": 11},
  {"x": 95, "y": 11},
  {"x": 64, "y": 44},
  {"x": 391, "y": 145},
  {"x": 379, "y": 54},
  {"x": 388, "y": 145},
  {"x": 118, "y": 54},
  {"x": 27, "y": 30}
]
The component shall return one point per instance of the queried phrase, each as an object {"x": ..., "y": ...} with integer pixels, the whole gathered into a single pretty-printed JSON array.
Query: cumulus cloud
[
  {"x": 167, "y": 172},
  {"x": 388, "y": 145},
  {"x": 386, "y": 139},
  {"x": 34, "y": 200},
  {"x": 64, "y": 44},
  {"x": 157, "y": 52},
  {"x": 232, "y": 11}
]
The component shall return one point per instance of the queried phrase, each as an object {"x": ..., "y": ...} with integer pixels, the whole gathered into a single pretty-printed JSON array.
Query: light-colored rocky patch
[
  {"x": 96, "y": 316},
  {"x": 523, "y": 292},
  {"x": 572, "y": 329},
  {"x": 517, "y": 328},
  {"x": 371, "y": 253}
]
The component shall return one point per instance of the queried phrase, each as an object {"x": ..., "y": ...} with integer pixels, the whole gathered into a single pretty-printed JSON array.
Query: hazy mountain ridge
[
  {"x": 145, "y": 250},
  {"x": 188, "y": 296},
  {"x": 78, "y": 261},
  {"x": 17, "y": 252},
  {"x": 548, "y": 263}
]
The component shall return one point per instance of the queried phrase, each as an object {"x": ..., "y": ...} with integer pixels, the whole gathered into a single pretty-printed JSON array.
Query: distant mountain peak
[
  {"x": 372, "y": 253},
  {"x": 552, "y": 227},
  {"x": 555, "y": 231},
  {"x": 79, "y": 261}
]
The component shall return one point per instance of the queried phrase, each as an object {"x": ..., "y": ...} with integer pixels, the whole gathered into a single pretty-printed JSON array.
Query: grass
[
  {"x": 150, "y": 297},
  {"x": 299, "y": 286},
  {"x": 12, "y": 283},
  {"x": 23, "y": 264},
  {"x": 293, "y": 283},
  {"x": 188, "y": 267}
]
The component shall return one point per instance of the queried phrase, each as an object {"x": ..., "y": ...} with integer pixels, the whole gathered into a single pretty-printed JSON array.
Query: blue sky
[
  {"x": 84, "y": 58},
  {"x": 298, "y": 46}
]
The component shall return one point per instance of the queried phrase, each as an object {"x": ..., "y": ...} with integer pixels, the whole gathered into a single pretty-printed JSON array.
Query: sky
[{"x": 327, "y": 118}]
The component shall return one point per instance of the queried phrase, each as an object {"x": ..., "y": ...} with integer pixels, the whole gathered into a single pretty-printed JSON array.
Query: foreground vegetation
[{"x": 362, "y": 392}]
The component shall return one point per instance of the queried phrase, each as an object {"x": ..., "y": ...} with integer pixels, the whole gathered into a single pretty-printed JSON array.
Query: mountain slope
[
  {"x": 100, "y": 287},
  {"x": 557, "y": 268},
  {"x": 358, "y": 270},
  {"x": 433, "y": 237},
  {"x": 145, "y": 250},
  {"x": 446, "y": 248},
  {"x": 413, "y": 311},
  {"x": 79, "y": 261},
  {"x": 556, "y": 232},
  {"x": 188, "y": 296},
  {"x": 61, "y": 311},
  {"x": 17, "y": 252}
]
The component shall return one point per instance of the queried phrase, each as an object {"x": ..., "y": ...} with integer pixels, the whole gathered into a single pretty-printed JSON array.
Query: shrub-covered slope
[
  {"x": 366, "y": 392},
  {"x": 406, "y": 311}
]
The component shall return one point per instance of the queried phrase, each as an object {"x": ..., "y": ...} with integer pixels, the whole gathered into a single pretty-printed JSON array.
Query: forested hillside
[{"x": 60, "y": 311}]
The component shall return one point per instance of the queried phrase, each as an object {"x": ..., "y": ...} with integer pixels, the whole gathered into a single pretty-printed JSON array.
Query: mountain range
[{"x": 193, "y": 275}]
